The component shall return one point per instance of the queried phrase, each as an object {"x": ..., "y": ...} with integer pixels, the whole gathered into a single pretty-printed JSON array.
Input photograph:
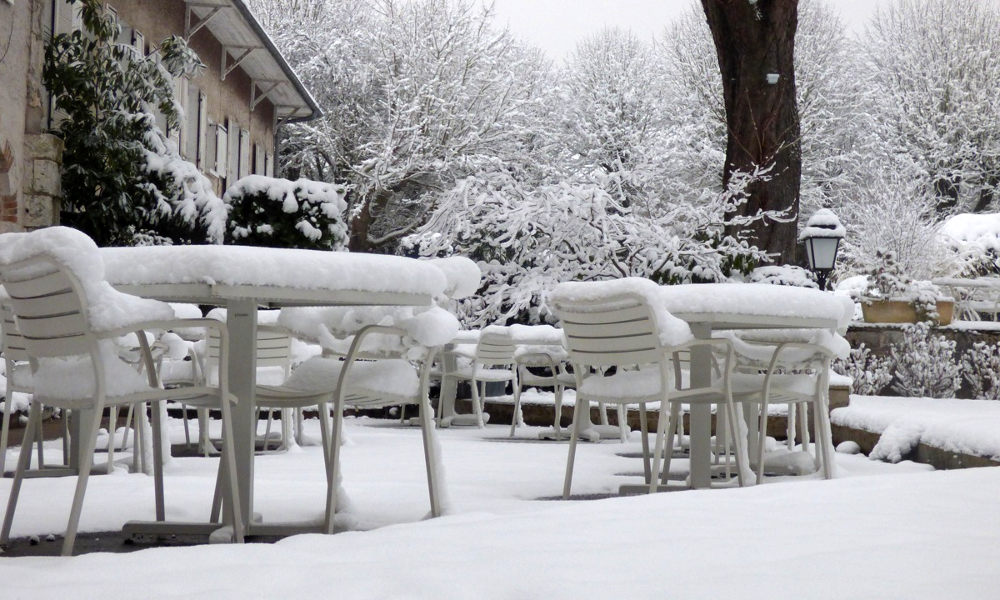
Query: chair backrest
[
  {"x": 495, "y": 347},
  {"x": 274, "y": 349},
  {"x": 13, "y": 342},
  {"x": 49, "y": 306},
  {"x": 617, "y": 329}
]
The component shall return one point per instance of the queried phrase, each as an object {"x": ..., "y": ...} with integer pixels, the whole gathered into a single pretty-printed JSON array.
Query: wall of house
[
  {"x": 29, "y": 159},
  {"x": 227, "y": 102}
]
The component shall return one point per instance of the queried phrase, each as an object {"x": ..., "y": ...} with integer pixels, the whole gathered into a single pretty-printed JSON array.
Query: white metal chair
[
  {"x": 542, "y": 366},
  {"x": 796, "y": 373},
  {"x": 68, "y": 316},
  {"x": 368, "y": 378},
  {"x": 621, "y": 324},
  {"x": 492, "y": 362}
]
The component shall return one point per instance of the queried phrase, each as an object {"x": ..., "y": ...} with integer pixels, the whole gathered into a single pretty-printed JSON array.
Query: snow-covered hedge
[{"x": 264, "y": 211}]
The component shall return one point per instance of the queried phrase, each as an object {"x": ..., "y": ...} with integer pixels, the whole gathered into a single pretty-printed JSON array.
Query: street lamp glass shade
[{"x": 822, "y": 252}]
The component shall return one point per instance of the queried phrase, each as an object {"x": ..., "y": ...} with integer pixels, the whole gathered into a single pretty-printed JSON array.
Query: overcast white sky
[{"x": 557, "y": 25}]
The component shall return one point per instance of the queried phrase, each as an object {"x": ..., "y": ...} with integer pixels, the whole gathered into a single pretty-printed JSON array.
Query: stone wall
[{"x": 30, "y": 179}]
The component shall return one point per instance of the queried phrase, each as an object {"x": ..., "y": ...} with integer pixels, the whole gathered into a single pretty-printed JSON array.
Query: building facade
[{"x": 231, "y": 109}]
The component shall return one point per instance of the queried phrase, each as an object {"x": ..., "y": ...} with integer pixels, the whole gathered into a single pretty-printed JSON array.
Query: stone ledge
[{"x": 924, "y": 453}]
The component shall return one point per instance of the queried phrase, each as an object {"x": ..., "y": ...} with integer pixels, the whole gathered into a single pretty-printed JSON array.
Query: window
[
  {"x": 139, "y": 42},
  {"x": 258, "y": 159},
  {"x": 192, "y": 121},
  {"x": 268, "y": 164}
]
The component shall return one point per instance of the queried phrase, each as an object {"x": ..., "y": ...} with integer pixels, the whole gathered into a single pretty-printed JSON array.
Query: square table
[
  {"x": 242, "y": 279},
  {"x": 709, "y": 307}
]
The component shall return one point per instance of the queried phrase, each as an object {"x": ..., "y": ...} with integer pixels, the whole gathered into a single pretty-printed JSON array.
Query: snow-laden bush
[
  {"x": 870, "y": 374},
  {"x": 264, "y": 211},
  {"x": 783, "y": 275},
  {"x": 528, "y": 239},
  {"x": 924, "y": 365},
  {"x": 981, "y": 368}
]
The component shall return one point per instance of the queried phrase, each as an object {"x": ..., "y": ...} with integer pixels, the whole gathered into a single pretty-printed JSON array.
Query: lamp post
[{"x": 821, "y": 237}]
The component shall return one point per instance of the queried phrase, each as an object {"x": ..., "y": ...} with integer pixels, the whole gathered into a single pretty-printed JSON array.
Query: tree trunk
[{"x": 755, "y": 38}]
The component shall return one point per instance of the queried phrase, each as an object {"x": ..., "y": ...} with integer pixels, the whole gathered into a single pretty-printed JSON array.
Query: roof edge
[{"x": 248, "y": 15}]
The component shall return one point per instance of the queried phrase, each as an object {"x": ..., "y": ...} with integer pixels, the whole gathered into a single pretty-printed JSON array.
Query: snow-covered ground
[
  {"x": 878, "y": 531},
  {"x": 963, "y": 426}
]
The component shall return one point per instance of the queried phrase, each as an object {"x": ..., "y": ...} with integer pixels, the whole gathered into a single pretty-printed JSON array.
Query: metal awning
[{"x": 247, "y": 46}]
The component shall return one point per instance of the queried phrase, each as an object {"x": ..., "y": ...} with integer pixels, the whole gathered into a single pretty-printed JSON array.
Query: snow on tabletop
[
  {"x": 673, "y": 331},
  {"x": 823, "y": 223},
  {"x": 298, "y": 269},
  {"x": 463, "y": 275},
  {"x": 107, "y": 308},
  {"x": 757, "y": 299},
  {"x": 965, "y": 426}
]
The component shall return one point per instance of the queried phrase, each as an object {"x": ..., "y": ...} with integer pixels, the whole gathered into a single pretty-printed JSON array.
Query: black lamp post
[{"x": 821, "y": 236}]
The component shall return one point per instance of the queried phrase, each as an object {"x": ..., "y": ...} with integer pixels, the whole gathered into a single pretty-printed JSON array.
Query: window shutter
[
  {"x": 244, "y": 165},
  {"x": 221, "y": 150},
  {"x": 202, "y": 150},
  {"x": 268, "y": 164}
]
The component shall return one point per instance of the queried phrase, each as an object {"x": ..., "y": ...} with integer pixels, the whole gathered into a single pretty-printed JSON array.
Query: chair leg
[
  {"x": 675, "y": 417},
  {"x": 64, "y": 415},
  {"x": 229, "y": 458},
  {"x": 477, "y": 408},
  {"x": 761, "y": 439},
  {"x": 623, "y": 430},
  {"x": 112, "y": 430},
  {"x": 516, "y": 417},
  {"x": 187, "y": 426},
  {"x": 300, "y": 436},
  {"x": 557, "y": 419},
  {"x": 332, "y": 484},
  {"x": 581, "y": 406},
  {"x": 267, "y": 428},
  {"x": 220, "y": 478},
  {"x": 129, "y": 414},
  {"x": 653, "y": 475},
  {"x": 5, "y": 431},
  {"x": 431, "y": 459},
  {"x": 86, "y": 461},
  {"x": 603, "y": 410},
  {"x": 738, "y": 444},
  {"x": 23, "y": 462},
  {"x": 803, "y": 419},
  {"x": 325, "y": 435},
  {"x": 204, "y": 440},
  {"x": 790, "y": 428},
  {"x": 644, "y": 429}
]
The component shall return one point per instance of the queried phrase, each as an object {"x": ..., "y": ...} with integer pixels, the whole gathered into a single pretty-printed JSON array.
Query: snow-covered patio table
[
  {"x": 716, "y": 306},
  {"x": 245, "y": 278}
]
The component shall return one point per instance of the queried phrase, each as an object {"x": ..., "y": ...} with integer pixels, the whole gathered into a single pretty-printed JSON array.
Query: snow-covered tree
[
  {"x": 934, "y": 70},
  {"x": 924, "y": 365},
  {"x": 418, "y": 94}
]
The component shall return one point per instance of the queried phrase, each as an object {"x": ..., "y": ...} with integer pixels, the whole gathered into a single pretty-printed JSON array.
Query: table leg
[
  {"x": 242, "y": 325},
  {"x": 701, "y": 414}
]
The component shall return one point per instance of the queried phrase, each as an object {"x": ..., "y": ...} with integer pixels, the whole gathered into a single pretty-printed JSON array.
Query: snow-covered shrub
[
  {"x": 783, "y": 275},
  {"x": 924, "y": 365},
  {"x": 870, "y": 374},
  {"x": 264, "y": 211},
  {"x": 120, "y": 177},
  {"x": 981, "y": 368}
]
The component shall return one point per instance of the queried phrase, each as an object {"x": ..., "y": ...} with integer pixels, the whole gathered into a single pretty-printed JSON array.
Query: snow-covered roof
[{"x": 234, "y": 26}]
